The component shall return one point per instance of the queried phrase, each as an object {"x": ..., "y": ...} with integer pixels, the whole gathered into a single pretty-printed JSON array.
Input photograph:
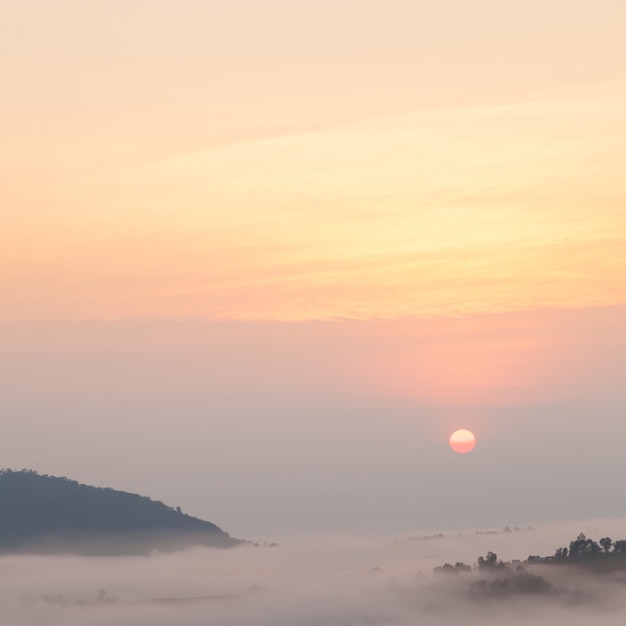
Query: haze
[{"x": 259, "y": 260}]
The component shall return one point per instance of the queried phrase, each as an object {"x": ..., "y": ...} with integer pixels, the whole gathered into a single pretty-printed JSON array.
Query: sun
[{"x": 462, "y": 441}]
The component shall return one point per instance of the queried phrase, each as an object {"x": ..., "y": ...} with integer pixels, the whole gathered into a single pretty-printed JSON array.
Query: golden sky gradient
[
  {"x": 433, "y": 190},
  {"x": 239, "y": 163}
]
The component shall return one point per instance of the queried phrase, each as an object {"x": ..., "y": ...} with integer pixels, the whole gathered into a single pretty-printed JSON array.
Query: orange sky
[
  {"x": 243, "y": 236},
  {"x": 232, "y": 163},
  {"x": 155, "y": 167}
]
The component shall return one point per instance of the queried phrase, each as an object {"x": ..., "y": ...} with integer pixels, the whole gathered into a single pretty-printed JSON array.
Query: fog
[{"x": 330, "y": 580}]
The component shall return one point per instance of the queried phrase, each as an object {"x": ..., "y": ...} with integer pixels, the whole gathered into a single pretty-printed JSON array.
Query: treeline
[
  {"x": 488, "y": 563},
  {"x": 604, "y": 555},
  {"x": 499, "y": 578},
  {"x": 584, "y": 549}
]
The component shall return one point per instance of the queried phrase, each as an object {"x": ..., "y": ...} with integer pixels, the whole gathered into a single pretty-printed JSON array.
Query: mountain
[{"x": 51, "y": 515}]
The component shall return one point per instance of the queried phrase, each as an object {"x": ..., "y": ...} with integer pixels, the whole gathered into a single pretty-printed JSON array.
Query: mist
[{"x": 311, "y": 580}]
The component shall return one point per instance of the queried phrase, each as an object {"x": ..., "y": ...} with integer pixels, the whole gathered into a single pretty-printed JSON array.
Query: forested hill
[{"x": 46, "y": 514}]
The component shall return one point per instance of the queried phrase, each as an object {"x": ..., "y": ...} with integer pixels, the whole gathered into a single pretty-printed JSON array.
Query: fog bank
[{"x": 347, "y": 580}]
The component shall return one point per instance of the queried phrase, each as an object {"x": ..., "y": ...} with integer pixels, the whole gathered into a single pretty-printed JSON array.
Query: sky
[{"x": 259, "y": 259}]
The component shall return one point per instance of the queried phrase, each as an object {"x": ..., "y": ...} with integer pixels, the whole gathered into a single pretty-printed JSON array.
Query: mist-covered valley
[{"x": 343, "y": 580}]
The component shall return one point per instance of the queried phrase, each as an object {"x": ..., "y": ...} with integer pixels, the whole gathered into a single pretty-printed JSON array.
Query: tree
[
  {"x": 560, "y": 554},
  {"x": 490, "y": 562},
  {"x": 445, "y": 570},
  {"x": 583, "y": 547},
  {"x": 462, "y": 567},
  {"x": 619, "y": 547},
  {"x": 452, "y": 570},
  {"x": 606, "y": 543}
]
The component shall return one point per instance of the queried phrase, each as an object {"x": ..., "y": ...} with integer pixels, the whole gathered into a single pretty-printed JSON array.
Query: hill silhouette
[{"x": 48, "y": 514}]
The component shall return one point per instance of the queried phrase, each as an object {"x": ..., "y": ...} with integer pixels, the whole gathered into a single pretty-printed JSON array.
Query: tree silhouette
[
  {"x": 582, "y": 547},
  {"x": 561, "y": 554},
  {"x": 606, "y": 543},
  {"x": 489, "y": 562}
]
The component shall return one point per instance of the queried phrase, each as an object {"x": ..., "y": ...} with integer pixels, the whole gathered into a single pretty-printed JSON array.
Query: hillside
[{"x": 47, "y": 514}]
